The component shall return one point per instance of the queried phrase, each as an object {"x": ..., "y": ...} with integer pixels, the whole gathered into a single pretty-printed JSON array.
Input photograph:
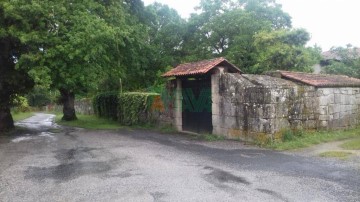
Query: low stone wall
[
  {"x": 258, "y": 106},
  {"x": 82, "y": 106}
]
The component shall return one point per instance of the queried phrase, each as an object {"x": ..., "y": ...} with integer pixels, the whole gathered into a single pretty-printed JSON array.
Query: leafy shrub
[
  {"x": 134, "y": 108},
  {"x": 129, "y": 108},
  {"x": 106, "y": 105},
  {"x": 289, "y": 135},
  {"x": 20, "y": 104}
]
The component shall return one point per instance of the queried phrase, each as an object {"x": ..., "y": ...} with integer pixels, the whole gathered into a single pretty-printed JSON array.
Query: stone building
[{"x": 214, "y": 96}]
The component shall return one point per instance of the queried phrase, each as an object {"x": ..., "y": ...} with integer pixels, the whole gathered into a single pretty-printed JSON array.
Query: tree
[
  {"x": 20, "y": 31},
  {"x": 166, "y": 31},
  {"x": 83, "y": 41},
  {"x": 284, "y": 50},
  {"x": 73, "y": 43},
  {"x": 268, "y": 10},
  {"x": 255, "y": 35}
]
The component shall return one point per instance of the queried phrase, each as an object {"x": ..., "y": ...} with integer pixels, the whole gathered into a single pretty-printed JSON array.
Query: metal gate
[{"x": 196, "y": 105}]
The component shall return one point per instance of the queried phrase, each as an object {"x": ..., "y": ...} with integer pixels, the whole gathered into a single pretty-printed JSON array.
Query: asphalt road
[{"x": 50, "y": 163}]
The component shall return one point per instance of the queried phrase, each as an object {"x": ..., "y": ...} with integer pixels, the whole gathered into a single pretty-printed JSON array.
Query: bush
[
  {"x": 38, "y": 97},
  {"x": 20, "y": 104},
  {"x": 106, "y": 105},
  {"x": 135, "y": 108},
  {"x": 128, "y": 108}
]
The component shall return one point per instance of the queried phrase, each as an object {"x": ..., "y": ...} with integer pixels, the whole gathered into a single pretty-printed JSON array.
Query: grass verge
[
  {"x": 95, "y": 123},
  {"x": 89, "y": 122},
  {"x": 309, "y": 138},
  {"x": 351, "y": 145},
  {"x": 18, "y": 116},
  {"x": 336, "y": 154},
  {"x": 208, "y": 137},
  {"x": 168, "y": 129}
]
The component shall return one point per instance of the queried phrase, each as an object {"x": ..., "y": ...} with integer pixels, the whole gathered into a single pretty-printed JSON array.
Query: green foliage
[
  {"x": 255, "y": 35},
  {"x": 346, "y": 61},
  {"x": 134, "y": 108},
  {"x": 209, "y": 137},
  {"x": 106, "y": 105},
  {"x": 39, "y": 97},
  {"x": 351, "y": 144},
  {"x": 289, "y": 135},
  {"x": 90, "y": 122},
  {"x": 129, "y": 108},
  {"x": 18, "y": 116},
  {"x": 308, "y": 138},
  {"x": 284, "y": 50},
  {"x": 20, "y": 104},
  {"x": 336, "y": 154}
]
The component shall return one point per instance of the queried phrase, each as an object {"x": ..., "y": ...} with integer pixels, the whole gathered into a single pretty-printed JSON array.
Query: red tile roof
[
  {"x": 201, "y": 67},
  {"x": 321, "y": 80}
]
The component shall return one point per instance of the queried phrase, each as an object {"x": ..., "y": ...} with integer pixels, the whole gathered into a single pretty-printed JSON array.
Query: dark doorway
[{"x": 196, "y": 105}]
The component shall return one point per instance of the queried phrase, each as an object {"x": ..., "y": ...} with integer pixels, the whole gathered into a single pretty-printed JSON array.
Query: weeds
[
  {"x": 336, "y": 154},
  {"x": 351, "y": 145},
  {"x": 300, "y": 138},
  {"x": 209, "y": 137}
]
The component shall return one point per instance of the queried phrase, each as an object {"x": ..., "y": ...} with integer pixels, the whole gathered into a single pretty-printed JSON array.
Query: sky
[{"x": 330, "y": 22}]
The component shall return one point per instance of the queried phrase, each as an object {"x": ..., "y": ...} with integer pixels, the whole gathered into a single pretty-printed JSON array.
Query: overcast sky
[{"x": 330, "y": 22}]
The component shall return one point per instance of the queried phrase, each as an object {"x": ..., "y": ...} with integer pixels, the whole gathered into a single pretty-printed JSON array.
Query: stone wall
[
  {"x": 259, "y": 106},
  {"x": 82, "y": 106},
  {"x": 338, "y": 107}
]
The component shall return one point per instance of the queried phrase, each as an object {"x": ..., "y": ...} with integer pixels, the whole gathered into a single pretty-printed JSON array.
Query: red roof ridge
[{"x": 199, "y": 67}]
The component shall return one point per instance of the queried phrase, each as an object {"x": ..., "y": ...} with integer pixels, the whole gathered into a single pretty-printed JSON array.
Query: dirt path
[{"x": 316, "y": 150}]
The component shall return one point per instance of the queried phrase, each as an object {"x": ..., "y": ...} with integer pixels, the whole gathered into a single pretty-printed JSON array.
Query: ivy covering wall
[{"x": 128, "y": 108}]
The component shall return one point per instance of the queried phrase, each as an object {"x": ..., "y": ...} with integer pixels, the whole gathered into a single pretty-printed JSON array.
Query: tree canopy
[{"x": 255, "y": 35}]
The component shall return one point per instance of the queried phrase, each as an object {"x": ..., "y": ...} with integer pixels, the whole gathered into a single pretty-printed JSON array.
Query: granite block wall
[
  {"x": 338, "y": 107},
  {"x": 252, "y": 106}
]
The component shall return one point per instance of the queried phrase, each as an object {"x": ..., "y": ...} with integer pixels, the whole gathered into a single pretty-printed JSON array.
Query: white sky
[{"x": 330, "y": 22}]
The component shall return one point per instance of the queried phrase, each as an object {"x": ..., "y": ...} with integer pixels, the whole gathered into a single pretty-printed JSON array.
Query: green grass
[
  {"x": 89, "y": 122},
  {"x": 309, "y": 138},
  {"x": 208, "y": 137},
  {"x": 153, "y": 127},
  {"x": 95, "y": 123},
  {"x": 18, "y": 116},
  {"x": 351, "y": 145},
  {"x": 335, "y": 154}
]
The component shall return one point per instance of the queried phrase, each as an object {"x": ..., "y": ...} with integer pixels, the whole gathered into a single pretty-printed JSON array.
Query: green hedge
[
  {"x": 135, "y": 108},
  {"x": 106, "y": 105},
  {"x": 128, "y": 108}
]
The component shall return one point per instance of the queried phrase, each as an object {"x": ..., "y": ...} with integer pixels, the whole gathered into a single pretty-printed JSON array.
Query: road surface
[{"x": 52, "y": 163}]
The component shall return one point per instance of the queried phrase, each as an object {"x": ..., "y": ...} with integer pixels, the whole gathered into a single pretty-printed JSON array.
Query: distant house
[
  {"x": 328, "y": 56},
  {"x": 214, "y": 96}
]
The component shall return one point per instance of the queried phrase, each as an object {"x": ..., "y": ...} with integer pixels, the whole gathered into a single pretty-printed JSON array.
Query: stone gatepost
[
  {"x": 215, "y": 98},
  {"x": 178, "y": 105}
]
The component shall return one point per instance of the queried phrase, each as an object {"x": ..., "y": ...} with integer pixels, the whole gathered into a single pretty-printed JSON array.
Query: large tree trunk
[
  {"x": 68, "y": 100},
  {"x": 12, "y": 81},
  {"x": 6, "y": 66},
  {"x": 6, "y": 120}
]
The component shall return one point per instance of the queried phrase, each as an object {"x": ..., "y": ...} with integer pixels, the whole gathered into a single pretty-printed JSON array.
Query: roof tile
[
  {"x": 201, "y": 67},
  {"x": 321, "y": 80}
]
